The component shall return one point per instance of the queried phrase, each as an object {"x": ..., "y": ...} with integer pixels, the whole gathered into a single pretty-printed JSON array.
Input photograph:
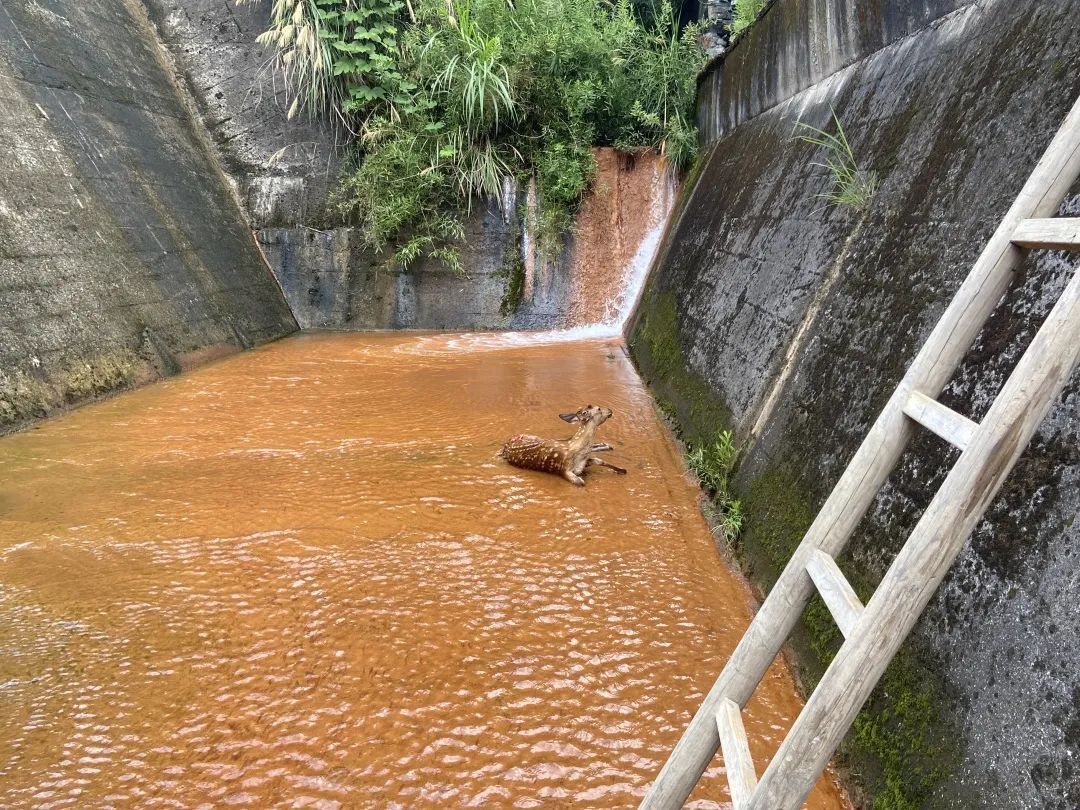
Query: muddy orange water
[{"x": 300, "y": 577}]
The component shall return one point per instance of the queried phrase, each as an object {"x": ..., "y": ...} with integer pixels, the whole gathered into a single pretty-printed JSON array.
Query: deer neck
[{"x": 583, "y": 439}]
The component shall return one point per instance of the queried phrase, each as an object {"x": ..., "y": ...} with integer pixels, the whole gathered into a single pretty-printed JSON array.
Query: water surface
[{"x": 300, "y": 577}]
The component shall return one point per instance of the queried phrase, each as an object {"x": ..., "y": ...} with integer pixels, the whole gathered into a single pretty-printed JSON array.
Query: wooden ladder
[{"x": 989, "y": 449}]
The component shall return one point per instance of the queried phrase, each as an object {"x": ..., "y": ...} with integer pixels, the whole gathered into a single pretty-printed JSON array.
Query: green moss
[
  {"x": 513, "y": 271},
  {"x": 778, "y": 513},
  {"x": 100, "y": 375},
  {"x": 1059, "y": 69},
  {"x": 23, "y": 397},
  {"x": 680, "y": 392},
  {"x": 695, "y": 412},
  {"x": 902, "y": 744},
  {"x": 903, "y": 731}
]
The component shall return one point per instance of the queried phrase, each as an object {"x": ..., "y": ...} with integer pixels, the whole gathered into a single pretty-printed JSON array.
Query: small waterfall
[
  {"x": 618, "y": 233},
  {"x": 621, "y": 305},
  {"x": 617, "y": 236}
]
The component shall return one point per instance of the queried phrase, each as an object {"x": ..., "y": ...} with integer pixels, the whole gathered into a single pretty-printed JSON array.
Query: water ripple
[{"x": 300, "y": 578}]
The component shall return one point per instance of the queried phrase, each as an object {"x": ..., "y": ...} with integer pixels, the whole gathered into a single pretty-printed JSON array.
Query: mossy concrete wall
[
  {"x": 123, "y": 254},
  {"x": 334, "y": 281},
  {"x": 790, "y": 322}
]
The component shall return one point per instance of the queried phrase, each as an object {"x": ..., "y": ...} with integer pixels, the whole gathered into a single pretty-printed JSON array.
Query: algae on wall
[{"x": 979, "y": 708}]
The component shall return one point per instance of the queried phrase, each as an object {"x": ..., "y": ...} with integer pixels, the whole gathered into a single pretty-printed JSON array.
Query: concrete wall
[
  {"x": 790, "y": 322},
  {"x": 283, "y": 169},
  {"x": 123, "y": 254},
  {"x": 285, "y": 172},
  {"x": 798, "y": 43},
  {"x": 332, "y": 281}
]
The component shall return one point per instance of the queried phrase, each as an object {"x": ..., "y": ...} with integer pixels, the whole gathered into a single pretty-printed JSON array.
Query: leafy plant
[
  {"x": 447, "y": 98},
  {"x": 712, "y": 463},
  {"x": 852, "y": 186},
  {"x": 340, "y": 57},
  {"x": 744, "y": 13}
]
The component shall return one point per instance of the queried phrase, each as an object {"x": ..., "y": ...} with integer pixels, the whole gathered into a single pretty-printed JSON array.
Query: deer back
[{"x": 534, "y": 453}]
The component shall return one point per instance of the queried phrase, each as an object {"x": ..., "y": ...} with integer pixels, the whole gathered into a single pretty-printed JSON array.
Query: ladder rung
[
  {"x": 1060, "y": 233},
  {"x": 945, "y": 422},
  {"x": 736, "y": 749},
  {"x": 837, "y": 592}
]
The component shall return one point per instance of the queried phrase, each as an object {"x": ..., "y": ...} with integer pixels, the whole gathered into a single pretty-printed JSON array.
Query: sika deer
[{"x": 567, "y": 457}]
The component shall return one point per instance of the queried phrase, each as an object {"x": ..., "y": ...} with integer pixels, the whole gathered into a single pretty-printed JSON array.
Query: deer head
[{"x": 589, "y": 416}]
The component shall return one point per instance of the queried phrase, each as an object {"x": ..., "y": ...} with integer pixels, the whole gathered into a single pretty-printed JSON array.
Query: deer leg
[
  {"x": 573, "y": 478},
  {"x": 599, "y": 448},
  {"x": 593, "y": 461}
]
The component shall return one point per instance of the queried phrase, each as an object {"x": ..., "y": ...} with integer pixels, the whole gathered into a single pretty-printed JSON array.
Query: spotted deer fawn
[{"x": 566, "y": 457}]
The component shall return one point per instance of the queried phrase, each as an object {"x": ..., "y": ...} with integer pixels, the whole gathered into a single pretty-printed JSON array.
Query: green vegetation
[
  {"x": 902, "y": 745},
  {"x": 744, "y": 13},
  {"x": 713, "y": 462},
  {"x": 513, "y": 271},
  {"x": 443, "y": 99},
  {"x": 852, "y": 186}
]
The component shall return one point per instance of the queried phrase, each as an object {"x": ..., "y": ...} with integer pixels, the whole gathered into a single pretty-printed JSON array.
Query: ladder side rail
[
  {"x": 876, "y": 457},
  {"x": 919, "y": 568}
]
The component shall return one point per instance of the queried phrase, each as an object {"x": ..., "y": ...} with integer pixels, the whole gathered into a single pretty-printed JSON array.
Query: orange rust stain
[
  {"x": 609, "y": 228},
  {"x": 302, "y": 577}
]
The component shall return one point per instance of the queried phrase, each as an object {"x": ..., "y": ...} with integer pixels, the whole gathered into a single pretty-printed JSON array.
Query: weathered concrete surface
[
  {"x": 123, "y": 255},
  {"x": 798, "y": 43},
  {"x": 762, "y": 290},
  {"x": 283, "y": 169},
  {"x": 331, "y": 281}
]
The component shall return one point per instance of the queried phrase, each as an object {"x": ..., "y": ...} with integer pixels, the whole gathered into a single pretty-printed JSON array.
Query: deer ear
[{"x": 569, "y": 417}]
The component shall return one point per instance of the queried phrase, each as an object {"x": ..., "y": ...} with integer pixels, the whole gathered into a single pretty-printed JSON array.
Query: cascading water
[
  {"x": 617, "y": 235},
  {"x": 620, "y": 306}
]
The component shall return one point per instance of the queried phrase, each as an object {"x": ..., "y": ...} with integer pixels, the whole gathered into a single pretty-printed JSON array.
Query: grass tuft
[
  {"x": 852, "y": 186},
  {"x": 744, "y": 13},
  {"x": 713, "y": 462}
]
